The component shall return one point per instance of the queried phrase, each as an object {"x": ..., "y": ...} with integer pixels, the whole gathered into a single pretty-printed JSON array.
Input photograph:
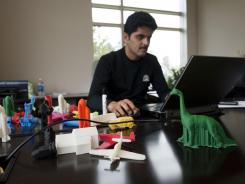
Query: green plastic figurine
[
  {"x": 8, "y": 104},
  {"x": 201, "y": 130}
]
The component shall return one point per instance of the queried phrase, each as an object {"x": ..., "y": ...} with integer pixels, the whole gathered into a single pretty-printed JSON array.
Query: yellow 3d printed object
[{"x": 122, "y": 125}]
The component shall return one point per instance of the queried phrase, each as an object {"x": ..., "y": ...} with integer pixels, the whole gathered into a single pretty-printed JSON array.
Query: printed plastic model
[
  {"x": 201, "y": 130},
  {"x": 8, "y": 104},
  {"x": 28, "y": 119},
  {"x": 117, "y": 152},
  {"x": 83, "y": 112},
  {"x": 43, "y": 112},
  {"x": 4, "y": 130},
  {"x": 48, "y": 100},
  {"x": 107, "y": 139},
  {"x": 127, "y": 124},
  {"x": 63, "y": 105},
  {"x": 80, "y": 141},
  {"x": 61, "y": 112}
]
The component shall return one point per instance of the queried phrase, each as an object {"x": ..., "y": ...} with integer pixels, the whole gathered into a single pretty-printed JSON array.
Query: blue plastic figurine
[{"x": 28, "y": 119}]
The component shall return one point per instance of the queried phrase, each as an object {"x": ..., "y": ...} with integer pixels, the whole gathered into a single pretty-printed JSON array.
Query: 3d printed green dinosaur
[{"x": 201, "y": 130}]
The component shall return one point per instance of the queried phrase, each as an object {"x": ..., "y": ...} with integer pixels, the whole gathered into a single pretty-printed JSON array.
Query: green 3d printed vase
[{"x": 201, "y": 130}]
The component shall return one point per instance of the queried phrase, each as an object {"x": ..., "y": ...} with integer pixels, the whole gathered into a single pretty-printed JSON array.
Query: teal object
[{"x": 201, "y": 130}]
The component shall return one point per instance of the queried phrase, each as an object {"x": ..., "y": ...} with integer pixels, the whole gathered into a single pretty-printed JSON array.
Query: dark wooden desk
[{"x": 167, "y": 162}]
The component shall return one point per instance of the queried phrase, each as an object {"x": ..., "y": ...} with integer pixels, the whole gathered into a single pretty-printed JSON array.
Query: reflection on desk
[{"x": 167, "y": 162}]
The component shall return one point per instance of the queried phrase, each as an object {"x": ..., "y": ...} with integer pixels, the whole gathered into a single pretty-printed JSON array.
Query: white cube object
[
  {"x": 89, "y": 131},
  {"x": 64, "y": 144},
  {"x": 82, "y": 144},
  {"x": 80, "y": 141}
]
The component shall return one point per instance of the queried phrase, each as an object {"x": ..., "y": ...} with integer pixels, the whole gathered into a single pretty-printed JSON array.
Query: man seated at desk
[{"x": 127, "y": 73}]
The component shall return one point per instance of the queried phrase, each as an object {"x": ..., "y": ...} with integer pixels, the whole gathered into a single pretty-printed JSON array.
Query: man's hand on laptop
[{"x": 123, "y": 107}]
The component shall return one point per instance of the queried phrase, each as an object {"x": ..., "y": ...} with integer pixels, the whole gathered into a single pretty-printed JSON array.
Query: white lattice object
[{"x": 105, "y": 117}]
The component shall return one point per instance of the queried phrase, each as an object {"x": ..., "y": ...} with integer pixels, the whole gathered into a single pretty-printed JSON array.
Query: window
[{"x": 167, "y": 42}]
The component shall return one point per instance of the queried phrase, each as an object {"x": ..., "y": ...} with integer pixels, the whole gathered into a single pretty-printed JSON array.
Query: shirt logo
[{"x": 146, "y": 78}]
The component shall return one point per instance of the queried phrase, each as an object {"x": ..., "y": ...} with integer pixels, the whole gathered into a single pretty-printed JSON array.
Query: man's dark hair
[{"x": 139, "y": 19}]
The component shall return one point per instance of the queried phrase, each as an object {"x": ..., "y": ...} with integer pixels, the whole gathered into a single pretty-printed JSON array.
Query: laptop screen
[{"x": 206, "y": 80}]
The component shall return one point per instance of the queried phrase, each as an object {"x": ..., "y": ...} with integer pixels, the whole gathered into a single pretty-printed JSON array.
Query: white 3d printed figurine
[
  {"x": 62, "y": 104},
  {"x": 4, "y": 130}
]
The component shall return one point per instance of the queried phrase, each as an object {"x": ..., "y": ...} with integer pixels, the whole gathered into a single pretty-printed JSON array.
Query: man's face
[{"x": 137, "y": 43}]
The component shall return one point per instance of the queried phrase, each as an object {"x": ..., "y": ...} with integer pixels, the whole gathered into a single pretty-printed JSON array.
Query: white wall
[
  {"x": 191, "y": 28},
  {"x": 221, "y": 27},
  {"x": 51, "y": 39}
]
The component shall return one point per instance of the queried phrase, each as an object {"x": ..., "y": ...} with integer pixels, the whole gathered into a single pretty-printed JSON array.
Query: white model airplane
[{"x": 117, "y": 152}]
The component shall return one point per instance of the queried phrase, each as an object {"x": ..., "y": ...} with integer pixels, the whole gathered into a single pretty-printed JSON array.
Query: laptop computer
[{"x": 205, "y": 81}]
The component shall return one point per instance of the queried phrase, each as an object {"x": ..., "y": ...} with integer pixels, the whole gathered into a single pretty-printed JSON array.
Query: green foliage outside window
[
  {"x": 174, "y": 76},
  {"x": 101, "y": 46}
]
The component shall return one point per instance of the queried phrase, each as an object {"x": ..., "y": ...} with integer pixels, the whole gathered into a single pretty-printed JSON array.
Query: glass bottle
[{"x": 40, "y": 87}]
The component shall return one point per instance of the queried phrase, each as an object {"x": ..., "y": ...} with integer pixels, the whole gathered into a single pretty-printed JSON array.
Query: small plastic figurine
[
  {"x": 28, "y": 119},
  {"x": 8, "y": 104},
  {"x": 44, "y": 111},
  {"x": 61, "y": 111},
  {"x": 201, "y": 130},
  {"x": 63, "y": 105},
  {"x": 48, "y": 100},
  {"x": 4, "y": 130},
  {"x": 83, "y": 112},
  {"x": 16, "y": 118}
]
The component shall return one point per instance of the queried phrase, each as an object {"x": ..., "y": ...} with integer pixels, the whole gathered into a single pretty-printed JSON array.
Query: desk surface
[{"x": 167, "y": 162}]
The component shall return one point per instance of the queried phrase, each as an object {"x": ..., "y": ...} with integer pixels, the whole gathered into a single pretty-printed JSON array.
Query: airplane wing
[
  {"x": 101, "y": 152},
  {"x": 131, "y": 155},
  {"x": 122, "y": 154},
  {"x": 106, "y": 144}
]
